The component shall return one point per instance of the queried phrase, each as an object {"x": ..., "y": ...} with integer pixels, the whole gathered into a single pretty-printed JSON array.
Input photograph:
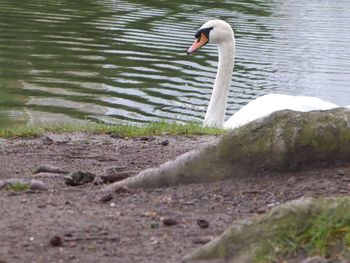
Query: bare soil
[{"x": 71, "y": 224}]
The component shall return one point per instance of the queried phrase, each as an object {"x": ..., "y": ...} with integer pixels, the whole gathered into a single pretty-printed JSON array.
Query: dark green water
[{"x": 125, "y": 60}]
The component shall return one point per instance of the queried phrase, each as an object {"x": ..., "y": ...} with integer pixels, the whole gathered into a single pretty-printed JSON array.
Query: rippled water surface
[{"x": 125, "y": 60}]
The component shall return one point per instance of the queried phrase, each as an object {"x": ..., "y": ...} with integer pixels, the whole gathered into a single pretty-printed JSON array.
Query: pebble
[
  {"x": 146, "y": 138},
  {"x": 202, "y": 223},
  {"x": 56, "y": 241},
  {"x": 80, "y": 178},
  {"x": 106, "y": 198},
  {"x": 46, "y": 168},
  {"x": 47, "y": 140},
  {"x": 42, "y": 206},
  {"x": 202, "y": 240},
  {"x": 169, "y": 221},
  {"x": 340, "y": 172},
  {"x": 154, "y": 241},
  {"x": 164, "y": 143}
]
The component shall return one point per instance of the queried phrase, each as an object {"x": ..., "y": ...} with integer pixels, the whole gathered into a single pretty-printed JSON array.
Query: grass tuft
[
  {"x": 120, "y": 130},
  {"x": 18, "y": 187},
  {"x": 324, "y": 235}
]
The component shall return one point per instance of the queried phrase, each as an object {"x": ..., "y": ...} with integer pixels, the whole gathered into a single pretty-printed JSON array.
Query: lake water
[{"x": 115, "y": 61}]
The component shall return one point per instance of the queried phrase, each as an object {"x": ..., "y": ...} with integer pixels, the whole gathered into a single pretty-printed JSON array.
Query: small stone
[
  {"x": 47, "y": 175},
  {"x": 112, "y": 204},
  {"x": 56, "y": 241},
  {"x": 49, "y": 169},
  {"x": 68, "y": 234},
  {"x": 169, "y": 221},
  {"x": 80, "y": 178},
  {"x": 154, "y": 241},
  {"x": 202, "y": 223},
  {"x": 340, "y": 172},
  {"x": 47, "y": 140},
  {"x": 146, "y": 138},
  {"x": 106, "y": 198},
  {"x": 164, "y": 143},
  {"x": 202, "y": 240}
]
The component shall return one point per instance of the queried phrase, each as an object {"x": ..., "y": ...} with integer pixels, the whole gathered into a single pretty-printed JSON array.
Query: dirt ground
[{"x": 71, "y": 223}]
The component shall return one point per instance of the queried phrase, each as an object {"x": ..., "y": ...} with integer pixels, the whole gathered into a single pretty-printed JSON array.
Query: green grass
[
  {"x": 122, "y": 130},
  {"x": 18, "y": 187},
  {"x": 326, "y": 234}
]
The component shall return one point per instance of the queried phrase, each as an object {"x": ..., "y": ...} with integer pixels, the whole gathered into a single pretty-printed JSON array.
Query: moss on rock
[
  {"x": 294, "y": 226},
  {"x": 289, "y": 140}
]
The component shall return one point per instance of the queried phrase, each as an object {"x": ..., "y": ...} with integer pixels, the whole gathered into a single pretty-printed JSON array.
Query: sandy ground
[{"x": 71, "y": 223}]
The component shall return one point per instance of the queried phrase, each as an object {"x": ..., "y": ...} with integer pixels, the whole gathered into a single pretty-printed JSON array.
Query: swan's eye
[
  {"x": 199, "y": 38},
  {"x": 204, "y": 31}
]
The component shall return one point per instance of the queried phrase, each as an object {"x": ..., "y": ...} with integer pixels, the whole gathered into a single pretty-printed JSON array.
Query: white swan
[{"x": 219, "y": 32}]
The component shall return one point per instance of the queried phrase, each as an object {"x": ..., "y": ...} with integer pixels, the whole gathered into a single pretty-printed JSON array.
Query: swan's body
[
  {"x": 220, "y": 33},
  {"x": 265, "y": 105}
]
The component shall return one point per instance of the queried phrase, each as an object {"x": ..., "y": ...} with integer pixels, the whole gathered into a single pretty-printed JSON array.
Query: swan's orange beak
[{"x": 199, "y": 42}]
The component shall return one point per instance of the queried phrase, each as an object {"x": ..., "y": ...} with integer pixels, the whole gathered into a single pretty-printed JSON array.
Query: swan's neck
[{"x": 216, "y": 110}]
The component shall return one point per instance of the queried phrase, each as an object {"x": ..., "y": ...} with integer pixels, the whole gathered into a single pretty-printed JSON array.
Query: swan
[{"x": 220, "y": 33}]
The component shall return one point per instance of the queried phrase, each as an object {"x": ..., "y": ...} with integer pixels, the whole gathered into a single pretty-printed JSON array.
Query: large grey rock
[
  {"x": 285, "y": 140},
  {"x": 241, "y": 242}
]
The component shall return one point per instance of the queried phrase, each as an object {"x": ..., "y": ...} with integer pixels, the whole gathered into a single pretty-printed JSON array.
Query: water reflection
[{"x": 114, "y": 60}]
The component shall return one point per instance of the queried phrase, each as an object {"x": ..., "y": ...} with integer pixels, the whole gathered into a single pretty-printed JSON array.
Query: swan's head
[{"x": 213, "y": 31}]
